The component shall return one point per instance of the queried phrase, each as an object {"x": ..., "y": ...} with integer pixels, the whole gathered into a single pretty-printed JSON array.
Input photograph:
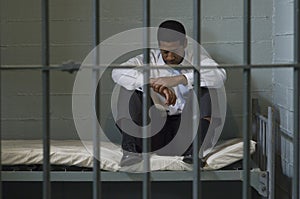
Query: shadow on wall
[
  {"x": 231, "y": 128},
  {"x": 283, "y": 182}
]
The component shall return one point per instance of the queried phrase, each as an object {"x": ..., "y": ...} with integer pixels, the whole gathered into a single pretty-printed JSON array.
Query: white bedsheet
[{"x": 74, "y": 153}]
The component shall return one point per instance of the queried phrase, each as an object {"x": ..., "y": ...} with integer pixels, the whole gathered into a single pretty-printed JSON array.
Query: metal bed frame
[{"x": 263, "y": 181}]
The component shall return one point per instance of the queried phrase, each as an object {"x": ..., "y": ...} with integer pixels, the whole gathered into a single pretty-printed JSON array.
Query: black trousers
[{"x": 168, "y": 131}]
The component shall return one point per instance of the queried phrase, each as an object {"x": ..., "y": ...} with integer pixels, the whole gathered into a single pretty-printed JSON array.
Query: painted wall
[
  {"x": 283, "y": 94},
  {"x": 70, "y": 39}
]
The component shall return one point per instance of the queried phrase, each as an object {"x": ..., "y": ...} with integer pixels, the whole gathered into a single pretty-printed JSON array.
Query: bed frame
[{"x": 261, "y": 175}]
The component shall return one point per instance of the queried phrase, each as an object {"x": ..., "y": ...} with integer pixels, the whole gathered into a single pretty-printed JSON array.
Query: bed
[
  {"x": 71, "y": 162},
  {"x": 70, "y": 153}
]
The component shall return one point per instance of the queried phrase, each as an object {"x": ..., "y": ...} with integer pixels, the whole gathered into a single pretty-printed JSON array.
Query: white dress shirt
[{"x": 132, "y": 79}]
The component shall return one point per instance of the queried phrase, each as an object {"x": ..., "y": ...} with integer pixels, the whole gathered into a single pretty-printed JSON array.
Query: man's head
[{"x": 172, "y": 41}]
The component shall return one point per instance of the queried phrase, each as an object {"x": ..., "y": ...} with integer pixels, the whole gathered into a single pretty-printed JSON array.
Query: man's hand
[
  {"x": 161, "y": 82},
  {"x": 168, "y": 94}
]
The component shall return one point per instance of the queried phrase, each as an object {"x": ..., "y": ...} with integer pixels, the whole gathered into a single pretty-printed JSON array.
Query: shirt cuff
[
  {"x": 139, "y": 82},
  {"x": 190, "y": 79}
]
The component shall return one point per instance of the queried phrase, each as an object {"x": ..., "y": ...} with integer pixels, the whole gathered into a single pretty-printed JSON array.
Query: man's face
[{"x": 172, "y": 52}]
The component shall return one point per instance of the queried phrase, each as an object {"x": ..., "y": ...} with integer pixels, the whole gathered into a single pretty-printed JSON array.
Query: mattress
[{"x": 77, "y": 153}]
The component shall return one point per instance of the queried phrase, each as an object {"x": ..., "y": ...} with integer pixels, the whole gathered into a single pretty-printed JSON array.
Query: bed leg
[{"x": 271, "y": 153}]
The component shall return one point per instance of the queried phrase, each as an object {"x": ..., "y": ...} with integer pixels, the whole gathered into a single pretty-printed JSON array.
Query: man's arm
[
  {"x": 213, "y": 77},
  {"x": 161, "y": 82},
  {"x": 168, "y": 94},
  {"x": 130, "y": 79}
]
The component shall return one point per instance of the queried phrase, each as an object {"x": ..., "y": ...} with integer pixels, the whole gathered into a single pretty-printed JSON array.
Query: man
[{"x": 171, "y": 91}]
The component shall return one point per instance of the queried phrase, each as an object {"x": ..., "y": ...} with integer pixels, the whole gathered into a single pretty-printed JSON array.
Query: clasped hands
[{"x": 163, "y": 86}]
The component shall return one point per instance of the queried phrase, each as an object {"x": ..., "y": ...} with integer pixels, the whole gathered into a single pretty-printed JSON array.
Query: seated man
[{"x": 171, "y": 92}]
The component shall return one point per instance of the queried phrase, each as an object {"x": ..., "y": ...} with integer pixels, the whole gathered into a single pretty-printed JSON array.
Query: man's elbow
[
  {"x": 121, "y": 82},
  {"x": 220, "y": 80},
  {"x": 224, "y": 75},
  {"x": 115, "y": 75}
]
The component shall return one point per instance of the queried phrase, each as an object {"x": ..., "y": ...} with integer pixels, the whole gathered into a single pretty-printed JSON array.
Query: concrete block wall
[
  {"x": 229, "y": 44},
  {"x": 283, "y": 94},
  {"x": 71, "y": 39}
]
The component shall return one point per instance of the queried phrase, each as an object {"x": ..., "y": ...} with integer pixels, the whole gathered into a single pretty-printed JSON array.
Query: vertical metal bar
[
  {"x": 146, "y": 100},
  {"x": 263, "y": 154},
  {"x": 246, "y": 99},
  {"x": 271, "y": 154},
  {"x": 96, "y": 150},
  {"x": 46, "y": 100},
  {"x": 95, "y": 75},
  {"x": 258, "y": 140},
  {"x": 296, "y": 98},
  {"x": 197, "y": 185},
  {"x": 0, "y": 123},
  {"x": 261, "y": 144}
]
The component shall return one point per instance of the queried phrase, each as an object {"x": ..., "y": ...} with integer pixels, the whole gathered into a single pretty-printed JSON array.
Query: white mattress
[{"x": 75, "y": 153}]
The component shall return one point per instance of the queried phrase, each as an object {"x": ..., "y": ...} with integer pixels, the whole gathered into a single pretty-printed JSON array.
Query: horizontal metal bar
[
  {"x": 165, "y": 176},
  {"x": 76, "y": 67},
  {"x": 261, "y": 118}
]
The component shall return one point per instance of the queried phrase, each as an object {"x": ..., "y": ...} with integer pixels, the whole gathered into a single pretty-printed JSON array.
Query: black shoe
[
  {"x": 188, "y": 159},
  {"x": 130, "y": 158},
  {"x": 188, "y": 155}
]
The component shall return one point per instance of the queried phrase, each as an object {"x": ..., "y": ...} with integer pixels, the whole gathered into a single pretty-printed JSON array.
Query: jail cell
[{"x": 258, "y": 46}]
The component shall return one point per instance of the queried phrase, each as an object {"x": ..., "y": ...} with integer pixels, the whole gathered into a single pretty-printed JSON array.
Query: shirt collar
[
  {"x": 160, "y": 60},
  {"x": 185, "y": 61}
]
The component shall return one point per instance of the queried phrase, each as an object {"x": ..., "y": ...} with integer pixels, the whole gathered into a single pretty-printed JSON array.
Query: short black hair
[{"x": 171, "y": 31}]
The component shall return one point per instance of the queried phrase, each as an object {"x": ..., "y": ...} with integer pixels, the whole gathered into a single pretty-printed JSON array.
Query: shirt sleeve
[
  {"x": 213, "y": 77},
  {"x": 132, "y": 78}
]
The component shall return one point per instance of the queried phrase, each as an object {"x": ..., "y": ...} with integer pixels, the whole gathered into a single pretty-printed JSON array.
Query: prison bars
[
  {"x": 71, "y": 67},
  {"x": 96, "y": 102},
  {"x": 296, "y": 147},
  {"x": 46, "y": 100},
  {"x": 246, "y": 99},
  {"x": 0, "y": 123},
  {"x": 146, "y": 101},
  {"x": 271, "y": 152},
  {"x": 247, "y": 66},
  {"x": 197, "y": 185}
]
